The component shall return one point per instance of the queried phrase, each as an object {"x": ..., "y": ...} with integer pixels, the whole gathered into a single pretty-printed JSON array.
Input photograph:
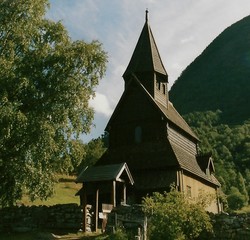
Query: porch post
[
  {"x": 124, "y": 193},
  {"x": 96, "y": 209},
  {"x": 84, "y": 208},
  {"x": 114, "y": 194}
]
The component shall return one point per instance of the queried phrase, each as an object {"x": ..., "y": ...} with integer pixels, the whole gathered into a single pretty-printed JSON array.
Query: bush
[
  {"x": 118, "y": 235},
  {"x": 173, "y": 217}
]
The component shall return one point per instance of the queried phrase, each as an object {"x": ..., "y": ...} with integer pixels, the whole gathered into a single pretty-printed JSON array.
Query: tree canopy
[
  {"x": 94, "y": 149},
  {"x": 46, "y": 81}
]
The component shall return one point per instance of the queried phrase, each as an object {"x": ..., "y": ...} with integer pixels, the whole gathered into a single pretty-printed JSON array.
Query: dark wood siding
[{"x": 136, "y": 112}]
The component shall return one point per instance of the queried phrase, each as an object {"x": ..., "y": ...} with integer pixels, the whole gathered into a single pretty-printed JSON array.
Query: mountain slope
[{"x": 219, "y": 78}]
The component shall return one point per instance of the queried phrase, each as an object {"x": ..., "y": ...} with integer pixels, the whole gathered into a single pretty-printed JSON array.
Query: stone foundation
[
  {"x": 233, "y": 226},
  {"x": 24, "y": 219}
]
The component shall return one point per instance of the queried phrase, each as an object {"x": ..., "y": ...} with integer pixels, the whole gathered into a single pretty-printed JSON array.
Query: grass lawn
[
  {"x": 245, "y": 209},
  {"x": 65, "y": 190}
]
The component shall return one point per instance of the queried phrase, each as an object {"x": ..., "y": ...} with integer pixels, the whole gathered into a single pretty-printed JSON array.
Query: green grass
[
  {"x": 65, "y": 190},
  {"x": 245, "y": 209}
]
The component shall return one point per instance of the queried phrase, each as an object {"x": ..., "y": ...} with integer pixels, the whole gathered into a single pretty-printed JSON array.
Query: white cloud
[
  {"x": 101, "y": 104},
  {"x": 187, "y": 39}
]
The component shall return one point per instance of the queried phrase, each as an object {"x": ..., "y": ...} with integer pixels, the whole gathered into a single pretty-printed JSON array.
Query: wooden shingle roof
[
  {"x": 146, "y": 57},
  {"x": 189, "y": 163},
  {"x": 172, "y": 115},
  {"x": 105, "y": 173}
]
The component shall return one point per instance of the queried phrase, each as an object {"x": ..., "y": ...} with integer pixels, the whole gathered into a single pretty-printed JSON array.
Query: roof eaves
[
  {"x": 194, "y": 167},
  {"x": 125, "y": 167}
]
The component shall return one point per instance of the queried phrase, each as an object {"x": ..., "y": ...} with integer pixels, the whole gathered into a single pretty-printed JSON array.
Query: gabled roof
[
  {"x": 169, "y": 112},
  {"x": 205, "y": 161},
  {"x": 105, "y": 173},
  {"x": 146, "y": 57},
  {"x": 189, "y": 163}
]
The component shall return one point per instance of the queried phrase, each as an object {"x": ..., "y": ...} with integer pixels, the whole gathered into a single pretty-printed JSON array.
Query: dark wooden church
[{"x": 147, "y": 133}]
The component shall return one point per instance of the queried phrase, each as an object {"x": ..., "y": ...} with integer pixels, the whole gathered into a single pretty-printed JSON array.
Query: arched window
[{"x": 138, "y": 134}]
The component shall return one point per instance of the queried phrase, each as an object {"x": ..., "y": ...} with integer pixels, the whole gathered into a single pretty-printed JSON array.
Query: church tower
[{"x": 147, "y": 66}]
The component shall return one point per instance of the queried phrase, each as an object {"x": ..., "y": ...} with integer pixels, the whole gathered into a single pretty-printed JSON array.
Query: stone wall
[
  {"x": 130, "y": 218},
  {"x": 233, "y": 226},
  {"x": 23, "y": 218},
  {"x": 69, "y": 217}
]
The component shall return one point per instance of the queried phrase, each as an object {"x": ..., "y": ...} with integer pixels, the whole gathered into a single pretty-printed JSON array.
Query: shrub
[
  {"x": 173, "y": 217},
  {"x": 118, "y": 235}
]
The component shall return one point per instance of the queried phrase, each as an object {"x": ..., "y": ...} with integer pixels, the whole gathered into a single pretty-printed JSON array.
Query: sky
[{"x": 182, "y": 30}]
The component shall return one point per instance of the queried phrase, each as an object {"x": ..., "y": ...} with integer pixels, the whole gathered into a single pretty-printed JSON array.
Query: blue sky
[{"x": 182, "y": 30}]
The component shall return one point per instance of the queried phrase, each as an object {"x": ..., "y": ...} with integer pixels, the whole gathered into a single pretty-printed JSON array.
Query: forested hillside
[
  {"x": 213, "y": 94},
  {"x": 230, "y": 148},
  {"x": 219, "y": 78}
]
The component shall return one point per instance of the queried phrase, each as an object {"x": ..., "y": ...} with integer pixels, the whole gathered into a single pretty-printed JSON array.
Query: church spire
[
  {"x": 146, "y": 15},
  {"x": 146, "y": 57}
]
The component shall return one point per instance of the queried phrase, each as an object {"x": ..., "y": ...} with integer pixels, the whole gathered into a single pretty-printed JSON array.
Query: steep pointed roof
[{"x": 146, "y": 57}]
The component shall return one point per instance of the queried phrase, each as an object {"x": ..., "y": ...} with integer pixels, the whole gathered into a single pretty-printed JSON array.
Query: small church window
[
  {"x": 138, "y": 134},
  {"x": 159, "y": 85},
  {"x": 164, "y": 89}
]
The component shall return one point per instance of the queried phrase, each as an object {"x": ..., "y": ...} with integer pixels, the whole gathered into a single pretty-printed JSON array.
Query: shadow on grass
[
  {"x": 62, "y": 179},
  {"x": 52, "y": 236},
  {"x": 79, "y": 236}
]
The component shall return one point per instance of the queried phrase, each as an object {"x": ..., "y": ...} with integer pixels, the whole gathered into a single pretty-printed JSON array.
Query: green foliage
[
  {"x": 235, "y": 199},
  {"x": 93, "y": 151},
  {"x": 118, "y": 235},
  {"x": 230, "y": 150},
  {"x": 172, "y": 216},
  {"x": 46, "y": 81}
]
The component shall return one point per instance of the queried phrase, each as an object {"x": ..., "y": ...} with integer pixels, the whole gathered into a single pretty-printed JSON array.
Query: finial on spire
[{"x": 146, "y": 15}]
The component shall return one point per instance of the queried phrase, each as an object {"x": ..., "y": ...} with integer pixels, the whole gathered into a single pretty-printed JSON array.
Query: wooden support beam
[
  {"x": 84, "y": 206},
  {"x": 114, "y": 194},
  {"x": 96, "y": 210},
  {"x": 124, "y": 193}
]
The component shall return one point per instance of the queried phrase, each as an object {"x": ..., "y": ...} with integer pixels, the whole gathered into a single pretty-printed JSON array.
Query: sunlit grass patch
[{"x": 65, "y": 190}]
